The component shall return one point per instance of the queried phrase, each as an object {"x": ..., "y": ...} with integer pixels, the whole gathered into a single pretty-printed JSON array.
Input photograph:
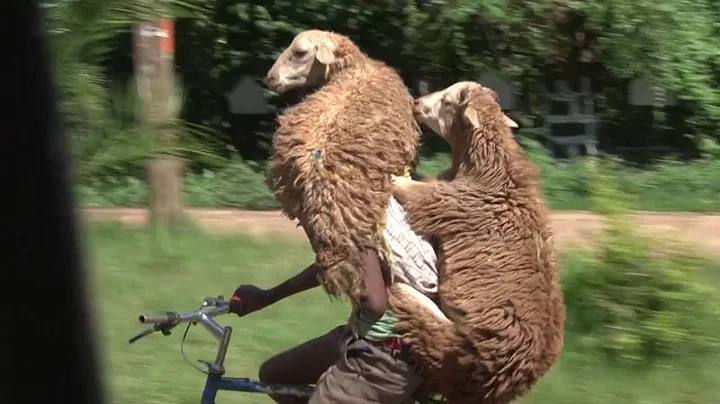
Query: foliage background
[{"x": 657, "y": 152}]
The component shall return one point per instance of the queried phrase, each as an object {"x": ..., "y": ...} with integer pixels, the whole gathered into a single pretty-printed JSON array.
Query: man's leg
[
  {"x": 367, "y": 373},
  {"x": 302, "y": 364}
]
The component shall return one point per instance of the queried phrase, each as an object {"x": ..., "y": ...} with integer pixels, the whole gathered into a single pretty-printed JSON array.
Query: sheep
[
  {"x": 334, "y": 153},
  {"x": 503, "y": 314}
]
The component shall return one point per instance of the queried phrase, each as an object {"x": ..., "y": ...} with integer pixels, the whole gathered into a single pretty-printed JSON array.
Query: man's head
[
  {"x": 440, "y": 110},
  {"x": 305, "y": 63}
]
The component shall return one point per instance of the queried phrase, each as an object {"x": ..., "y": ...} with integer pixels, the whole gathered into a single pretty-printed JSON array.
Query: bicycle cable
[{"x": 182, "y": 350}]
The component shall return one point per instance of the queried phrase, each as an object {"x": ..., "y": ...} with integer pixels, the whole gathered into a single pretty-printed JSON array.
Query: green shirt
[{"x": 364, "y": 327}]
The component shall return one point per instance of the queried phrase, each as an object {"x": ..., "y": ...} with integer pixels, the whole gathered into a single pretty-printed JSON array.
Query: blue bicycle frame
[{"x": 216, "y": 381}]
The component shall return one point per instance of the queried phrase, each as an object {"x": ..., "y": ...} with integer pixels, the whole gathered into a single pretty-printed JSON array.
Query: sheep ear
[
  {"x": 325, "y": 54},
  {"x": 464, "y": 92},
  {"x": 471, "y": 115},
  {"x": 510, "y": 122}
]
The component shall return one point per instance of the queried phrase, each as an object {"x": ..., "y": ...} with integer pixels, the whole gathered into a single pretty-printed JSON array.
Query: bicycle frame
[
  {"x": 215, "y": 383},
  {"x": 216, "y": 380}
]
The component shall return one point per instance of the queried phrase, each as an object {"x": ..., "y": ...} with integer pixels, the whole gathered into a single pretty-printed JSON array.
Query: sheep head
[
  {"x": 308, "y": 61},
  {"x": 462, "y": 103}
]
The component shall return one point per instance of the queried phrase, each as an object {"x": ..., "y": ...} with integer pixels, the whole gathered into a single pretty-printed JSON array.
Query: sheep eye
[{"x": 299, "y": 53}]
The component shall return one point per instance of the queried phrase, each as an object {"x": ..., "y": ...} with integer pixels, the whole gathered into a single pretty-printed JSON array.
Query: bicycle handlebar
[
  {"x": 191, "y": 317},
  {"x": 212, "y": 307}
]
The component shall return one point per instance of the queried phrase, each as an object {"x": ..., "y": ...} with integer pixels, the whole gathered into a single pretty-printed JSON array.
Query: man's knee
[
  {"x": 304, "y": 363},
  {"x": 269, "y": 372}
]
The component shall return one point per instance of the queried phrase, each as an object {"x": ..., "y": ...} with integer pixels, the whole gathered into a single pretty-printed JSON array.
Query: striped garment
[
  {"x": 411, "y": 257},
  {"x": 412, "y": 261}
]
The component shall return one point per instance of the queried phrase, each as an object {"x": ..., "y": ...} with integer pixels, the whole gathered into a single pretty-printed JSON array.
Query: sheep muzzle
[{"x": 271, "y": 82}]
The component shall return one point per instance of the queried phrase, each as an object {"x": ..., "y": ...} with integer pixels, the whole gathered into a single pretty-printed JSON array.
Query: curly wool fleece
[
  {"x": 332, "y": 159},
  {"x": 498, "y": 272}
]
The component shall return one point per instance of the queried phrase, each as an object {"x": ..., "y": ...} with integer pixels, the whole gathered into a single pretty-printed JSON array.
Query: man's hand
[{"x": 249, "y": 298}]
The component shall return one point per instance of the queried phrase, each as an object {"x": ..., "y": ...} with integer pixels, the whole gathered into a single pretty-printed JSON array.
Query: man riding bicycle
[{"x": 363, "y": 361}]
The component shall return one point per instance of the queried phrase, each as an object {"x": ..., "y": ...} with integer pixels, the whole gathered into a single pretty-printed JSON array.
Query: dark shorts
[
  {"x": 345, "y": 370},
  {"x": 365, "y": 372}
]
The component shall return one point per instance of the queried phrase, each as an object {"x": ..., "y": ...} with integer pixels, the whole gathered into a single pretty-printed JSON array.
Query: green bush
[
  {"x": 113, "y": 191},
  {"x": 669, "y": 186},
  {"x": 240, "y": 185},
  {"x": 565, "y": 183},
  {"x": 634, "y": 298},
  {"x": 637, "y": 304},
  {"x": 433, "y": 166}
]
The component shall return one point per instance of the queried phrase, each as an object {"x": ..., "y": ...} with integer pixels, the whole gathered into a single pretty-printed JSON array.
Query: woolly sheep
[
  {"x": 334, "y": 153},
  {"x": 498, "y": 277}
]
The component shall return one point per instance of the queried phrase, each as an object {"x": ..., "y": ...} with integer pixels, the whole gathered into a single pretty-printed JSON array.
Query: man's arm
[
  {"x": 375, "y": 300},
  {"x": 307, "y": 279},
  {"x": 250, "y": 298}
]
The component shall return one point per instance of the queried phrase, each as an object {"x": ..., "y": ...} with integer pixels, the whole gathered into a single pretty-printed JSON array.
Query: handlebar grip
[{"x": 158, "y": 318}]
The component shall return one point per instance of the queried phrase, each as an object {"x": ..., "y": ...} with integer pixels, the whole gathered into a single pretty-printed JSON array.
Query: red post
[{"x": 167, "y": 40}]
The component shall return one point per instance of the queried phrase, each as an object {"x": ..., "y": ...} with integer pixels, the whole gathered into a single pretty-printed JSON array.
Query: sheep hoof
[
  {"x": 423, "y": 300},
  {"x": 403, "y": 182}
]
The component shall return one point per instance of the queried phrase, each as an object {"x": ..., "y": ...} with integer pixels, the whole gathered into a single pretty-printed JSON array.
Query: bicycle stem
[
  {"x": 218, "y": 367},
  {"x": 211, "y": 325},
  {"x": 223, "y": 334}
]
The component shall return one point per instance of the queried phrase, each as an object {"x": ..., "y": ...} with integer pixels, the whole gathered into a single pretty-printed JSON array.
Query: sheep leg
[
  {"x": 408, "y": 191},
  {"x": 404, "y": 182},
  {"x": 422, "y": 204},
  {"x": 410, "y": 293}
]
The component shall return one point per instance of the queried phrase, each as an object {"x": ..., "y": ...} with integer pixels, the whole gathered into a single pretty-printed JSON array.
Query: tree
[
  {"x": 106, "y": 132},
  {"x": 530, "y": 41}
]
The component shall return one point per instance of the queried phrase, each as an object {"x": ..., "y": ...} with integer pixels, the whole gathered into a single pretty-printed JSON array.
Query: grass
[{"x": 135, "y": 272}]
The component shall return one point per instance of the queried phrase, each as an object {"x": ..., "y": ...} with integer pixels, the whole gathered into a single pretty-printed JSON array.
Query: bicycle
[{"x": 216, "y": 380}]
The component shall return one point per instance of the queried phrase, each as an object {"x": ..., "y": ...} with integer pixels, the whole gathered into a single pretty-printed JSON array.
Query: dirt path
[{"x": 570, "y": 227}]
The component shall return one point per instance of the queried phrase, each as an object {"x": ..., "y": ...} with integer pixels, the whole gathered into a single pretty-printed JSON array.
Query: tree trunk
[
  {"x": 154, "y": 66},
  {"x": 165, "y": 189}
]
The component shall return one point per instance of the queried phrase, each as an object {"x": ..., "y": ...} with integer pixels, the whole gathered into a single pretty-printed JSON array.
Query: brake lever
[
  {"x": 144, "y": 333},
  {"x": 165, "y": 329}
]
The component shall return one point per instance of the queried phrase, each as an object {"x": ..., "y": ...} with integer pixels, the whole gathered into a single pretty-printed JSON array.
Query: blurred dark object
[
  {"x": 417, "y": 176},
  {"x": 49, "y": 346}
]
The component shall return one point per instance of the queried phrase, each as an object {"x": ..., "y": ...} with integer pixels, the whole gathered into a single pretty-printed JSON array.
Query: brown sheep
[
  {"x": 498, "y": 273},
  {"x": 334, "y": 153}
]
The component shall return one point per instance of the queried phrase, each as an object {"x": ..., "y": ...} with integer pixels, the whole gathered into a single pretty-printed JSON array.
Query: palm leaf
[{"x": 102, "y": 121}]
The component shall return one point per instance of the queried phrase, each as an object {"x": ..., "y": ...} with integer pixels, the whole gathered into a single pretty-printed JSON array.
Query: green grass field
[{"x": 134, "y": 272}]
